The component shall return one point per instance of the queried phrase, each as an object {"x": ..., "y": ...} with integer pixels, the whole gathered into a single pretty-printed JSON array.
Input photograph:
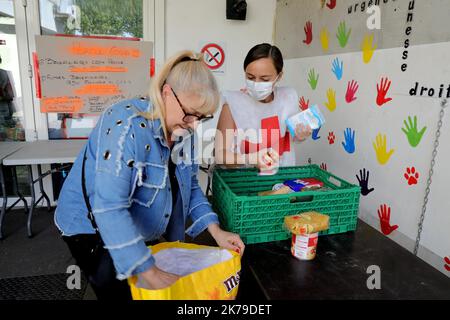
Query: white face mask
[{"x": 259, "y": 90}]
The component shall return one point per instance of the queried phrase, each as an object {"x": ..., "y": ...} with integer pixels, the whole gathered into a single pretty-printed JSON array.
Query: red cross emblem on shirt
[{"x": 271, "y": 138}]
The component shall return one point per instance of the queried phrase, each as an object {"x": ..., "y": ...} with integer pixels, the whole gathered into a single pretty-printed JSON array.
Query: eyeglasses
[{"x": 189, "y": 117}]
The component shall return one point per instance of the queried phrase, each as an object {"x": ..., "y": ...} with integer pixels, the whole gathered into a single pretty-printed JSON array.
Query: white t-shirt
[{"x": 250, "y": 116}]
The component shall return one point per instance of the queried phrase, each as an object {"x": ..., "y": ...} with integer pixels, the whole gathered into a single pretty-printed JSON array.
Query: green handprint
[
  {"x": 313, "y": 79},
  {"x": 342, "y": 34},
  {"x": 414, "y": 136}
]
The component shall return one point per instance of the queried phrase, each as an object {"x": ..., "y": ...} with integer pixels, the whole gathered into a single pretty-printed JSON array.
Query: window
[{"x": 11, "y": 106}]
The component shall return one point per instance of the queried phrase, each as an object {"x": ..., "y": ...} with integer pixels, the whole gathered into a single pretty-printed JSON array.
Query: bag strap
[{"x": 86, "y": 199}]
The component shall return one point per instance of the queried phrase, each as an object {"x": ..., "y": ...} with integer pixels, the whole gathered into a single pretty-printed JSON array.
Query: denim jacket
[{"x": 129, "y": 190}]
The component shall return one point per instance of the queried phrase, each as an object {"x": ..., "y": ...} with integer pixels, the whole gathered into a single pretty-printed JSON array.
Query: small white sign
[{"x": 214, "y": 55}]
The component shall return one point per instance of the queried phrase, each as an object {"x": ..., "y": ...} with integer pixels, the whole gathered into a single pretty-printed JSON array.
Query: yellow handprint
[
  {"x": 380, "y": 149},
  {"x": 324, "y": 39},
  {"x": 331, "y": 104},
  {"x": 368, "y": 48},
  {"x": 322, "y": 3}
]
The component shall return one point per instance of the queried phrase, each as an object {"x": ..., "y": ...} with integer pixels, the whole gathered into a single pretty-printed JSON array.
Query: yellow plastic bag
[{"x": 212, "y": 273}]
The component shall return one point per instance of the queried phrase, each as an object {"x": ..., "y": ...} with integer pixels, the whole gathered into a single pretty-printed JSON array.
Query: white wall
[
  {"x": 426, "y": 65},
  {"x": 189, "y": 23}
]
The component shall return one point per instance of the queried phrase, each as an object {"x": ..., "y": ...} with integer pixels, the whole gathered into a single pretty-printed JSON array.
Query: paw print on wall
[
  {"x": 447, "y": 263},
  {"x": 411, "y": 176},
  {"x": 331, "y": 137}
]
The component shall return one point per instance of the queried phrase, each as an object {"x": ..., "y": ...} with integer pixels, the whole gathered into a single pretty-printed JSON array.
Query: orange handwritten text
[
  {"x": 61, "y": 104},
  {"x": 98, "y": 90},
  {"x": 98, "y": 69},
  {"x": 84, "y": 49}
]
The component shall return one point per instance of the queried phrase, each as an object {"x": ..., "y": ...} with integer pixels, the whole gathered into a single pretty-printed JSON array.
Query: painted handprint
[
  {"x": 412, "y": 176},
  {"x": 303, "y": 104},
  {"x": 352, "y": 88},
  {"x": 331, "y": 4},
  {"x": 380, "y": 147},
  {"x": 323, "y": 166},
  {"x": 315, "y": 134},
  {"x": 313, "y": 79},
  {"x": 412, "y": 133},
  {"x": 308, "y": 33},
  {"x": 322, "y": 3},
  {"x": 331, "y": 137},
  {"x": 368, "y": 48},
  {"x": 384, "y": 213},
  {"x": 331, "y": 104},
  {"x": 349, "y": 143},
  {"x": 324, "y": 39},
  {"x": 363, "y": 180},
  {"x": 338, "y": 68},
  {"x": 343, "y": 35},
  {"x": 382, "y": 90}
]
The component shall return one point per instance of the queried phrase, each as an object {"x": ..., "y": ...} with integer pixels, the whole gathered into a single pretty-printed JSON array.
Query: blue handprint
[
  {"x": 349, "y": 144},
  {"x": 315, "y": 134},
  {"x": 338, "y": 68}
]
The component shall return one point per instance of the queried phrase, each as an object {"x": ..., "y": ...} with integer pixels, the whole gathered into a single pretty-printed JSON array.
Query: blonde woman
[{"x": 128, "y": 188}]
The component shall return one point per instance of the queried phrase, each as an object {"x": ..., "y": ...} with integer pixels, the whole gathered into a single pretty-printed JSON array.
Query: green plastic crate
[{"x": 260, "y": 218}]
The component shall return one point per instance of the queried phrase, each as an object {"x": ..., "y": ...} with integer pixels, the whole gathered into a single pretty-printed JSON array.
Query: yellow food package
[
  {"x": 206, "y": 273},
  {"x": 307, "y": 223}
]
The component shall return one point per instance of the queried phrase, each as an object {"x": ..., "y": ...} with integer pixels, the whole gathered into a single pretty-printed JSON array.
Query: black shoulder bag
[{"x": 97, "y": 250}]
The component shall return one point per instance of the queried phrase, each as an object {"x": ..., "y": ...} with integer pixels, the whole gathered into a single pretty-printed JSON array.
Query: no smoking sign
[{"x": 214, "y": 57}]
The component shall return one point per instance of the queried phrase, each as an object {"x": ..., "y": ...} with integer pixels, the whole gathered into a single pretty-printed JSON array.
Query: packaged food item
[
  {"x": 304, "y": 184},
  {"x": 282, "y": 189},
  {"x": 268, "y": 172},
  {"x": 304, "y": 246},
  {"x": 307, "y": 223},
  {"x": 305, "y": 229},
  {"x": 311, "y": 116},
  {"x": 290, "y": 186},
  {"x": 273, "y": 167}
]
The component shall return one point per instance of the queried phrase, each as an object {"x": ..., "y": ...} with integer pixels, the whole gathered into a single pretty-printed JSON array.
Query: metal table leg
[
  {"x": 41, "y": 187},
  {"x": 16, "y": 189},
  {"x": 33, "y": 197}
]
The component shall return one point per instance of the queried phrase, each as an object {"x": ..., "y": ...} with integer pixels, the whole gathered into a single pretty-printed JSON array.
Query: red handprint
[
  {"x": 331, "y": 4},
  {"x": 412, "y": 176},
  {"x": 303, "y": 104},
  {"x": 447, "y": 263},
  {"x": 331, "y": 137},
  {"x": 323, "y": 166},
  {"x": 382, "y": 90},
  {"x": 351, "y": 91},
  {"x": 308, "y": 32},
  {"x": 384, "y": 213}
]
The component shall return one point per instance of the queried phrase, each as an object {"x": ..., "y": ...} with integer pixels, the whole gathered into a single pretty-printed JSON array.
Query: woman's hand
[
  {"x": 302, "y": 132},
  {"x": 156, "y": 278},
  {"x": 267, "y": 159},
  {"x": 226, "y": 240}
]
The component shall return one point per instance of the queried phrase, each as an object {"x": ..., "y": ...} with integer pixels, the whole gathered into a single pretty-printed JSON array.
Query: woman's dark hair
[{"x": 265, "y": 50}]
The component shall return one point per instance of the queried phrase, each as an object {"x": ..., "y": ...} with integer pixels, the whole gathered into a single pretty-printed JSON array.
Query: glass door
[{"x": 11, "y": 102}]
